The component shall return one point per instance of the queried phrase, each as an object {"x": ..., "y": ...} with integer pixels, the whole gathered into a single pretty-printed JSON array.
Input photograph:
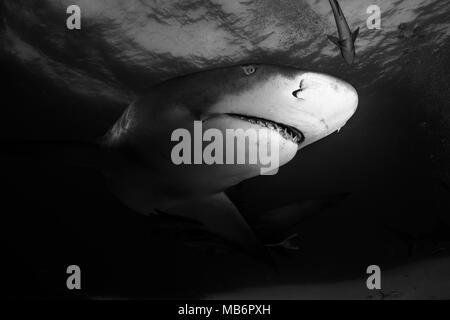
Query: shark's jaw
[{"x": 287, "y": 132}]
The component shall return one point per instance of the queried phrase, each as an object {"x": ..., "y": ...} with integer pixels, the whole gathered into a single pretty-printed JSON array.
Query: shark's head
[
  {"x": 297, "y": 107},
  {"x": 286, "y": 107},
  {"x": 306, "y": 105}
]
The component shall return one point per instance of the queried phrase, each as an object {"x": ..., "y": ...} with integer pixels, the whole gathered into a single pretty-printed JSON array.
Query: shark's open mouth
[{"x": 287, "y": 132}]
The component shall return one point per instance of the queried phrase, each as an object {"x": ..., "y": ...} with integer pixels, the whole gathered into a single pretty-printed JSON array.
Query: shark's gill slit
[{"x": 286, "y": 131}]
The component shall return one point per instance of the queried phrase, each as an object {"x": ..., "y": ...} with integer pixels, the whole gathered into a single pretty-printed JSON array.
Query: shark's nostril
[{"x": 296, "y": 93}]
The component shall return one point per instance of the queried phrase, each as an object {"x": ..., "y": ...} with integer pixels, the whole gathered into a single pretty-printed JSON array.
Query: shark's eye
[{"x": 249, "y": 69}]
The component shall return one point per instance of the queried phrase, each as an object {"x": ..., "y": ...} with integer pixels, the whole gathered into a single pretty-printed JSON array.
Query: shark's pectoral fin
[
  {"x": 334, "y": 40},
  {"x": 355, "y": 34},
  {"x": 339, "y": 43},
  {"x": 220, "y": 217}
]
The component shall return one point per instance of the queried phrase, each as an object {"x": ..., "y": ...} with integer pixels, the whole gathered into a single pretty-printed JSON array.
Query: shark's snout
[
  {"x": 346, "y": 104},
  {"x": 325, "y": 104}
]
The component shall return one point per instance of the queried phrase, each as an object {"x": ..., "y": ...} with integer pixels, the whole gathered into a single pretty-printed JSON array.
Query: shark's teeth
[{"x": 287, "y": 132}]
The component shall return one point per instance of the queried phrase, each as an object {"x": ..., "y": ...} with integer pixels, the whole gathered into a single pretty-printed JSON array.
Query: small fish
[{"x": 346, "y": 40}]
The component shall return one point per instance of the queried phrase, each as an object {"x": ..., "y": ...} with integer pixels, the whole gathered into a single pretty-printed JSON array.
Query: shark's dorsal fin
[
  {"x": 355, "y": 34},
  {"x": 220, "y": 217}
]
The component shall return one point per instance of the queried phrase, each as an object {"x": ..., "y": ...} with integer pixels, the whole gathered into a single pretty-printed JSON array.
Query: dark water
[{"x": 392, "y": 157}]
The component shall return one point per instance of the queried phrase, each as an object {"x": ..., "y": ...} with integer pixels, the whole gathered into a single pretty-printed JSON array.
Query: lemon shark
[{"x": 296, "y": 107}]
